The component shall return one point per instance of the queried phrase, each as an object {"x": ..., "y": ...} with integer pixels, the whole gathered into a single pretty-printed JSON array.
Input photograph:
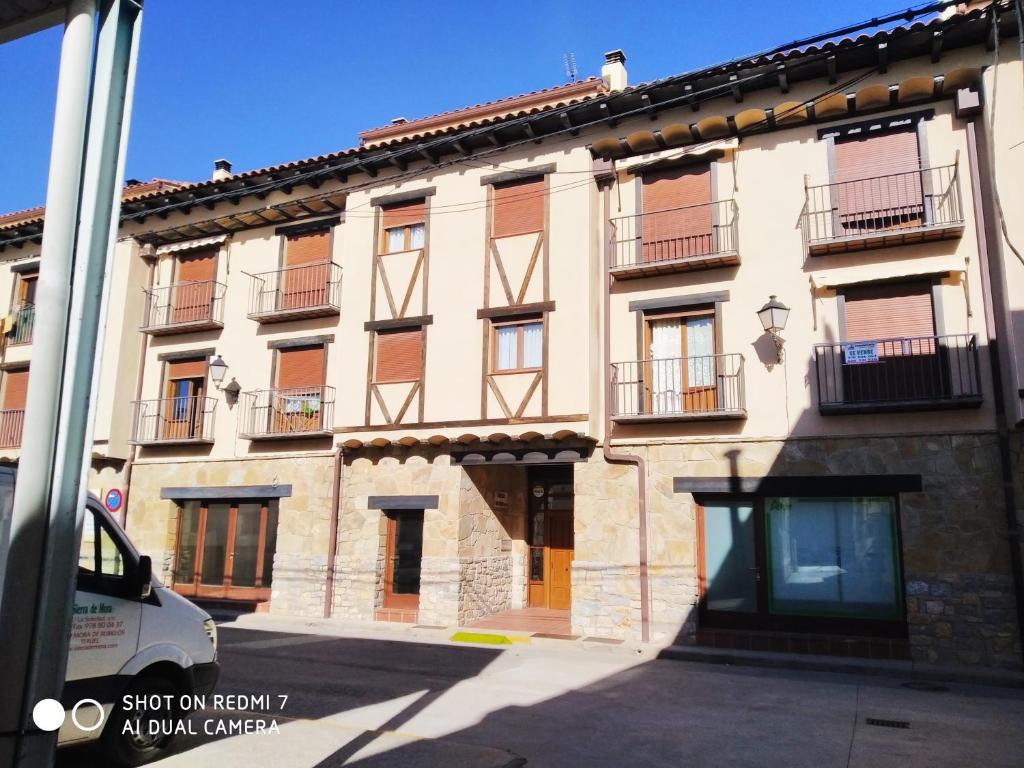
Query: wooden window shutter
[
  {"x": 300, "y": 367},
  {"x": 187, "y": 369},
  {"x": 307, "y": 248},
  {"x": 15, "y": 389},
  {"x": 399, "y": 355},
  {"x": 519, "y": 207},
  {"x": 404, "y": 214},
  {"x": 200, "y": 265},
  {"x": 677, "y": 220},
  {"x": 896, "y": 310}
]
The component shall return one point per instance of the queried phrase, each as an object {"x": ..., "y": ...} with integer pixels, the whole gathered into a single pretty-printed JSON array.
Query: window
[
  {"x": 889, "y": 311},
  {"x": 518, "y": 346},
  {"x": 798, "y": 563},
  {"x": 682, "y": 368},
  {"x": 893, "y": 196},
  {"x": 102, "y": 565},
  {"x": 404, "y": 226},
  {"x": 834, "y": 557},
  {"x": 184, "y": 408},
  {"x": 677, "y": 217},
  {"x": 399, "y": 356},
  {"x": 296, "y": 405},
  {"x": 519, "y": 207},
  {"x": 26, "y": 287},
  {"x": 307, "y": 273}
]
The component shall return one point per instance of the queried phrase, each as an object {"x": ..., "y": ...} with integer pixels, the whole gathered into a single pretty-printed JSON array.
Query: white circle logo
[
  {"x": 48, "y": 715},
  {"x": 99, "y": 715}
]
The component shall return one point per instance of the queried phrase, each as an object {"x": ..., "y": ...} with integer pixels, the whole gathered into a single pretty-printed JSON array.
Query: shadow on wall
[{"x": 927, "y": 572}]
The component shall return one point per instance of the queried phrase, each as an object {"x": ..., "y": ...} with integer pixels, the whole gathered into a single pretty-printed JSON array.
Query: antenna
[{"x": 570, "y": 66}]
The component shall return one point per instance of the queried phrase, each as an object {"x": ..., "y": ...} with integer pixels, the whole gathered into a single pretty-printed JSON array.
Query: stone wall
[
  {"x": 605, "y": 569},
  {"x": 959, "y": 597},
  {"x": 300, "y": 565},
  {"x": 361, "y": 531}
]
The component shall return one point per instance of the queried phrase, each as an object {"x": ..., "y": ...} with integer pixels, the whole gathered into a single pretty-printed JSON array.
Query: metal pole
[
  {"x": 29, "y": 521},
  {"x": 109, "y": 107}
]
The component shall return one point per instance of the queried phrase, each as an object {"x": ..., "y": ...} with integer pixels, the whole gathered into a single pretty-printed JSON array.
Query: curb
[{"x": 856, "y": 666}]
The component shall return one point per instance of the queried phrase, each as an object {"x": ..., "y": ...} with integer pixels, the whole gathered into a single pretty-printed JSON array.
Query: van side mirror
[{"x": 144, "y": 576}]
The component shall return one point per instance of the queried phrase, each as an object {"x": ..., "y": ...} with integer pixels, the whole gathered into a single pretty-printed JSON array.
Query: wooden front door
[
  {"x": 404, "y": 557},
  {"x": 551, "y": 538},
  {"x": 225, "y": 549}
]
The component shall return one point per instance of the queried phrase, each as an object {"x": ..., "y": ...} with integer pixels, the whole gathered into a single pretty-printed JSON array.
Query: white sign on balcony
[{"x": 859, "y": 353}]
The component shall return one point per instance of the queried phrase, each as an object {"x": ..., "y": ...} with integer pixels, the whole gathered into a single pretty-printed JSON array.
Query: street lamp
[
  {"x": 773, "y": 317},
  {"x": 218, "y": 368}
]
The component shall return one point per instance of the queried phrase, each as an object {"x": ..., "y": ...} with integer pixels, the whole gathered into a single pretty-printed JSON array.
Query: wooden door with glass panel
[
  {"x": 182, "y": 411},
  {"x": 404, "y": 558},
  {"x": 681, "y": 368},
  {"x": 551, "y": 538},
  {"x": 225, "y": 549}
]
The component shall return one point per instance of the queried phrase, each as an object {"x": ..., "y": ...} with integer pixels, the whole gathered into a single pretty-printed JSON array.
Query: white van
[{"x": 132, "y": 640}]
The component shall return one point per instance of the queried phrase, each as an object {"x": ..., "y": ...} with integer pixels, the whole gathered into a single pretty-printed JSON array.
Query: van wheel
[{"x": 139, "y": 735}]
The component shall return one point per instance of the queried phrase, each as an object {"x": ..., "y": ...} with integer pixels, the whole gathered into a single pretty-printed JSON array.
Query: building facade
[{"x": 729, "y": 358}]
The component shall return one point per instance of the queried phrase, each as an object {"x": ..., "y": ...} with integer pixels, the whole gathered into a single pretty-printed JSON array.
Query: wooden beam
[
  {"x": 832, "y": 74},
  {"x": 368, "y": 169},
  {"x": 688, "y": 92},
  {"x": 783, "y": 76},
  {"x": 461, "y": 146},
  {"x": 492, "y": 136},
  {"x": 737, "y": 92},
  {"x": 649, "y": 107},
  {"x": 883, "y": 57},
  {"x": 531, "y": 133},
  {"x": 606, "y": 114},
  {"x": 936, "y": 45}
]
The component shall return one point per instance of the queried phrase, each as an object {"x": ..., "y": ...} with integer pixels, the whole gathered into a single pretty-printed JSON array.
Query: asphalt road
[{"x": 381, "y": 702}]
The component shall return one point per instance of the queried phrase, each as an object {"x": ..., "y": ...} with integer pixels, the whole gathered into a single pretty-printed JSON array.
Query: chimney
[
  {"x": 221, "y": 169},
  {"x": 614, "y": 70}
]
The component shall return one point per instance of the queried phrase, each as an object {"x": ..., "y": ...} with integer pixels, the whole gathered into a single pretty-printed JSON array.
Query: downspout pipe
[
  {"x": 611, "y": 456},
  {"x": 332, "y": 545},
  {"x": 994, "y": 291},
  {"x": 129, "y": 465}
]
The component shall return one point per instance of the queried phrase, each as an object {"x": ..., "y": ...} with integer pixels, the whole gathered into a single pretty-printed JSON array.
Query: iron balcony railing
[
  {"x": 296, "y": 412},
  {"x": 11, "y": 424},
  {"x": 306, "y": 290},
  {"x": 681, "y": 387},
  {"x": 884, "y": 207},
  {"x": 172, "y": 420},
  {"x": 898, "y": 373},
  {"x": 24, "y": 317},
  {"x": 674, "y": 235},
  {"x": 193, "y": 305}
]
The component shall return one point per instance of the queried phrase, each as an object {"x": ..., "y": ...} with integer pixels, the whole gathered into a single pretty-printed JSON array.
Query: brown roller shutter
[
  {"x": 892, "y": 311},
  {"x": 200, "y": 265},
  {"x": 187, "y": 369},
  {"x": 519, "y": 207},
  {"x": 307, "y": 248},
  {"x": 399, "y": 355},
  {"x": 887, "y": 193},
  {"x": 404, "y": 214},
  {"x": 305, "y": 280},
  {"x": 676, "y": 217},
  {"x": 15, "y": 389},
  {"x": 300, "y": 367},
  {"x": 193, "y": 292}
]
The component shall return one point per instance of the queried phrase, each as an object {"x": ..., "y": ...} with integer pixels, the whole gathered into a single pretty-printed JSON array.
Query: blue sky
[{"x": 261, "y": 82}]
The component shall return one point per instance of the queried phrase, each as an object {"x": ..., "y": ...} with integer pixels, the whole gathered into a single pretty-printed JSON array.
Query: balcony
[
  {"x": 23, "y": 319},
  {"x": 675, "y": 240},
  {"x": 678, "y": 389},
  {"x": 173, "y": 421},
  {"x": 11, "y": 424},
  {"x": 882, "y": 211},
  {"x": 184, "y": 307},
  {"x": 293, "y": 293},
  {"x": 898, "y": 374},
  {"x": 281, "y": 414}
]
